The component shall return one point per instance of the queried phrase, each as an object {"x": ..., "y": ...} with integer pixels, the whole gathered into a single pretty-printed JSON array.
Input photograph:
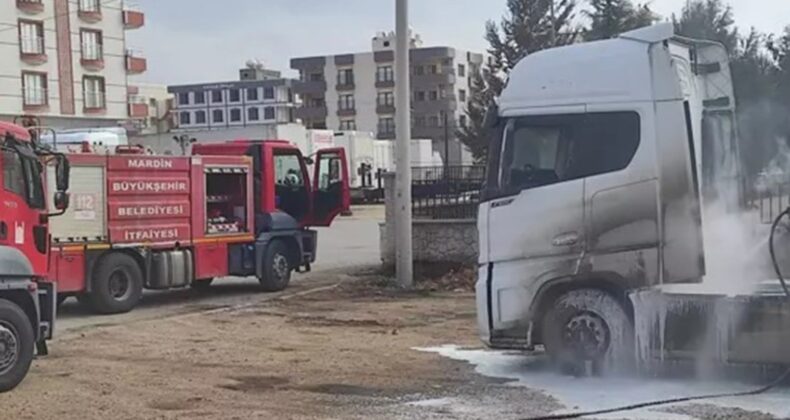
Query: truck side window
[
  {"x": 544, "y": 150},
  {"x": 13, "y": 174}
]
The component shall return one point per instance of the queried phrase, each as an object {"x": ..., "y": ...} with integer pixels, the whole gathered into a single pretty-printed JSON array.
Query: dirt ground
[{"x": 341, "y": 348}]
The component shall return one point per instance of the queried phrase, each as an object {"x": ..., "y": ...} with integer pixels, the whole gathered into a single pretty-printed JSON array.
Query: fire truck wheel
[
  {"x": 588, "y": 328},
  {"x": 202, "y": 285},
  {"x": 16, "y": 345},
  {"x": 117, "y": 284},
  {"x": 276, "y": 267}
]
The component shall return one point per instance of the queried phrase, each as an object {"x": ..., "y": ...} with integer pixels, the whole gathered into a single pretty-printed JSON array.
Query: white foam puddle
[{"x": 585, "y": 394}]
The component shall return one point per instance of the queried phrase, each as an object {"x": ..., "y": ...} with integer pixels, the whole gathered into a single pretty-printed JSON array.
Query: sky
[{"x": 194, "y": 41}]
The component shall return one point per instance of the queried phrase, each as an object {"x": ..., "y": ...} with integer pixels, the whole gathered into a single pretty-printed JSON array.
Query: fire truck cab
[
  {"x": 238, "y": 208},
  {"x": 27, "y": 298}
]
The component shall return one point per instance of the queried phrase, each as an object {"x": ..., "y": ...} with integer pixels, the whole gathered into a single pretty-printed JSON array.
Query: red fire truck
[
  {"x": 240, "y": 208},
  {"x": 27, "y": 299}
]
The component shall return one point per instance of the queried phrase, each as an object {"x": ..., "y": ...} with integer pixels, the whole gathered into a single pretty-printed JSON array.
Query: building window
[
  {"x": 200, "y": 117},
  {"x": 184, "y": 118},
  {"x": 268, "y": 113},
  {"x": 183, "y": 98},
  {"x": 462, "y": 121},
  {"x": 348, "y": 125},
  {"x": 93, "y": 91},
  {"x": 235, "y": 115},
  {"x": 433, "y": 95},
  {"x": 234, "y": 95},
  {"x": 385, "y": 99},
  {"x": 216, "y": 96},
  {"x": 317, "y": 102},
  {"x": 385, "y": 74},
  {"x": 31, "y": 37},
  {"x": 316, "y": 77},
  {"x": 461, "y": 70},
  {"x": 252, "y": 94},
  {"x": 419, "y": 121},
  {"x": 200, "y": 97},
  {"x": 386, "y": 125},
  {"x": 345, "y": 77},
  {"x": 462, "y": 95},
  {"x": 91, "y": 44},
  {"x": 268, "y": 93},
  {"x": 432, "y": 69},
  {"x": 433, "y": 121},
  {"x": 217, "y": 116},
  {"x": 419, "y": 70},
  {"x": 346, "y": 103},
  {"x": 34, "y": 89},
  {"x": 90, "y": 6},
  {"x": 419, "y": 96},
  {"x": 253, "y": 114}
]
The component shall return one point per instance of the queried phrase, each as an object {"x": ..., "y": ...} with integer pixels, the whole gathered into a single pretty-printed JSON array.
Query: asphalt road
[{"x": 351, "y": 243}]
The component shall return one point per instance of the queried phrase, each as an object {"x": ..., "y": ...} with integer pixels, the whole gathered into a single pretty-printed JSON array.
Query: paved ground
[
  {"x": 351, "y": 242},
  {"x": 339, "y": 344}
]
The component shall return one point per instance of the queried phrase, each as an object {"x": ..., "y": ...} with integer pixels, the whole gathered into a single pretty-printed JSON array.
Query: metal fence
[
  {"x": 769, "y": 195},
  {"x": 446, "y": 192}
]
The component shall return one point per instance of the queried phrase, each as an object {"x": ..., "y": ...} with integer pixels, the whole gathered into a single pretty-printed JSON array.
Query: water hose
[{"x": 782, "y": 378}]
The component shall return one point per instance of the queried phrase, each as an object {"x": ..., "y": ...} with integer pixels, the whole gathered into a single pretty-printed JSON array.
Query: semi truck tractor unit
[
  {"x": 27, "y": 297},
  {"x": 605, "y": 159},
  {"x": 241, "y": 208}
]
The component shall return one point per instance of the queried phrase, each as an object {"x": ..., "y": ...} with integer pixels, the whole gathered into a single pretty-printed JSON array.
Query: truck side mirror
[
  {"x": 61, "y": 201},
  {"x": 62, "y": 173},
  {"x": 491, "y": 119},
  {"x": 308, "y": 160}
]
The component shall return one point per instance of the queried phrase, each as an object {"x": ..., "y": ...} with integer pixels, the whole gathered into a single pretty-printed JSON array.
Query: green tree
[
  {"x": 708, "y": 19},
  {"x": 610, "y": 18},
  {"x": 527, "y": 27}
]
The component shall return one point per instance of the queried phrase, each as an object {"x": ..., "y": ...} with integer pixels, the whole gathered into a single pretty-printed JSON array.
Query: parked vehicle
[
  {"x": 595, "y": 183},
  {"x": 27, "y": 297},
  {"x": 239, "y": 208}
]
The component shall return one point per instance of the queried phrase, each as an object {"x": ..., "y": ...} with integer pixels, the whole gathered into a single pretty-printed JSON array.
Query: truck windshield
[{"x": 22, "y": 176}]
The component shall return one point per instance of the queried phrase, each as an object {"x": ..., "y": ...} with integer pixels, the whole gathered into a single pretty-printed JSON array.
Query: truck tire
[
  {"x": 277, "y": 267},
  {"x": 117, "y": 284},
  {"x": 589, "y": 327},
  {"x": 17, "y": 341},
  {"x": 201, "y": 285}
]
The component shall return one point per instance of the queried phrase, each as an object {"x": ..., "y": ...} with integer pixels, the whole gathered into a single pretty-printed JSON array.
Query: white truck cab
[{"x": 595, "y": 179}]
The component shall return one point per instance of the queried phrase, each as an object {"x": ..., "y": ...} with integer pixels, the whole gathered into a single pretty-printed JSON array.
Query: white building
[
  {"x": 67, "y": 62},
  {"x": 357, "y": 92}
]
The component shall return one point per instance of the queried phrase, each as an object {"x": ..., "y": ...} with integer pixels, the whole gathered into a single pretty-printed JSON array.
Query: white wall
[
  {"x": 365, "y": 74},
  {"x": 332, "y": 96}
]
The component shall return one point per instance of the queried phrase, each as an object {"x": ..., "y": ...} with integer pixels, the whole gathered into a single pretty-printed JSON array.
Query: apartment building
[
  {"x": 261, "y": 97},
  {"x": 151, "y": 106},
  {"x": 357, "y": 92},
  {"x": 67, "y": 62}
]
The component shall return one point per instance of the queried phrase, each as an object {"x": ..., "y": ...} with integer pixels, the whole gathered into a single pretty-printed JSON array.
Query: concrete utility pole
[{"x": 403, "y": 244}]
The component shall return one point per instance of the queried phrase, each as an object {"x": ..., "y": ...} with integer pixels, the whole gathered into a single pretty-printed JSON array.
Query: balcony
[
  {"x": 133, "y": 19},
  {"x": 346, "y": 112},
  {"x": 446, "y": 104},
  {"x": 385, "y": 108},
  {"x": 92, "y": 56},
  {"x": 311, "y": 113},
  {"x": 430, "y": 132},
  {"x": 30, "y": 6},
  {"x": 137, "y": 108},
  {"x": 428, "y": 80},
  {"x": 135, "y": 64},
  {"x": 35, "y": 99},
  {"x": 310, "y": 86},
  {"x": 385, "y": 84},
  {"x": 31, "y": 50},
  {"x": 89, "y": 11}
]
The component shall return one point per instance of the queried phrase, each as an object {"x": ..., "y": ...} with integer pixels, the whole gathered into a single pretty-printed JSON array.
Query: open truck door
[{"x": 331, "y": 194}]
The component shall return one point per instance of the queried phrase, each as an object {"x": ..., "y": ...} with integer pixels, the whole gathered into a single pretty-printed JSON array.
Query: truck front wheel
[
  {"x": 16, "y": 345},
  {"x": 117, "y": 284},
  {"x": 276, "y": 267},
  {"x": 588, "y": 327}
]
